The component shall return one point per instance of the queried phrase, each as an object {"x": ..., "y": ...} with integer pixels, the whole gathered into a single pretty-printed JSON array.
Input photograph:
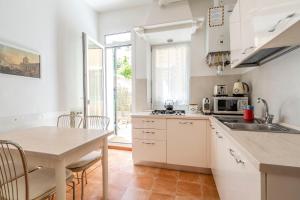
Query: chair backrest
[
  {"x": 69, "y": 121},
  {"x": 96, "y": 122},
  {"x": 13, "y": 172}
]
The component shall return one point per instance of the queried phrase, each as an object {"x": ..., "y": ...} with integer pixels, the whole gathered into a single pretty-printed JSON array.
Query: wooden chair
[
  {"x": 84, "y": 163},
  {"x": 69, "y": 121},
  {"x": 17, "y": 183}
]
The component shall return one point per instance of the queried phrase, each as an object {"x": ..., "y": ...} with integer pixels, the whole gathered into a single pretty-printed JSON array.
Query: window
[
  {"x": 170, "y": 74},
  {"x": 119, "y": 39}
]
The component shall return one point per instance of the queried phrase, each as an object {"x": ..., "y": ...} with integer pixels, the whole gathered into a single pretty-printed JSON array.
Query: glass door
[
  {"x": 119, "y": 70},
  {"x": 93, "y": 79}
]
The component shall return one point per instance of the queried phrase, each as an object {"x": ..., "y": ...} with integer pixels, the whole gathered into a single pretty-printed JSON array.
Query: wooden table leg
[
  {"x": 60, "y": 178},
  {"x": 105, "y": 168}
]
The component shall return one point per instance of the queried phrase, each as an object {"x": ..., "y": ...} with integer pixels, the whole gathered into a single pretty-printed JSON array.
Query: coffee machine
[{"x": 206, "y": 105}]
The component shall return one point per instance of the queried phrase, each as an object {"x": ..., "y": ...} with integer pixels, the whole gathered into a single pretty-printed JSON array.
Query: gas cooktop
[{"x": 168, "y": 112}]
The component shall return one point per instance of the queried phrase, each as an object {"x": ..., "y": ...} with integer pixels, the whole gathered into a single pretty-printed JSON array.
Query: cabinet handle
[
  {"x": 237, "y": 160},
  {"x": 149, "y": 132},
  {"x": 150, "y": 143},
  {"x": 273, "y": 29},
  {"x": 148, "y": 121},
  {"x": 185, "y": 123},
  {"x": 247, "y": 49},
  {"x": 218, "y": 135}
]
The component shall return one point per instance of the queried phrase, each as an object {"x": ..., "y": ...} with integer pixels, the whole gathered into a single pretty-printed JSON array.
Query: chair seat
[
  {"x": 41, "y": 183},
  {"x": 85, "y": 161}
]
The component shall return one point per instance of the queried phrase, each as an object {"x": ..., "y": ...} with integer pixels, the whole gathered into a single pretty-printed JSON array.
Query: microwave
[{"x": 229, "y": 105}]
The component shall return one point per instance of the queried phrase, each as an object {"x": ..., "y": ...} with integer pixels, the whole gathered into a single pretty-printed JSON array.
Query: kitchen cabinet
[
  {"x": 180, "y": 142},
  {"x": 149, "y": 140},
  {"x": 186, "y": 142},
  {"x": 149, "y": 150},
  {"x": 234, "y": 175},
  {"x": 272, "y": 17},
  {"x": 235, "y": 34},
  {"x": 247, "y": 8}
]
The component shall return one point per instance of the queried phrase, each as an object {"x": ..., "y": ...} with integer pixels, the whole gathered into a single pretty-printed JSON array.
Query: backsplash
[{"x": 279, "y": 83}]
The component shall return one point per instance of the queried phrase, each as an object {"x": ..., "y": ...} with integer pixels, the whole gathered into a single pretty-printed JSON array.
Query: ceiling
[{"x": 110, "y": 5}]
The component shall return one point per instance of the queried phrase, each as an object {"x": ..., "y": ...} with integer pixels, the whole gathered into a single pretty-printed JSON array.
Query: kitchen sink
[{"x": 257, "y": 125}]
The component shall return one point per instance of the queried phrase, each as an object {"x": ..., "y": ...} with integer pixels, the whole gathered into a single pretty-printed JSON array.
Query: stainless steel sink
[
  {"x": 238, "y": 123},
  {"x": 276, "y": 128}
]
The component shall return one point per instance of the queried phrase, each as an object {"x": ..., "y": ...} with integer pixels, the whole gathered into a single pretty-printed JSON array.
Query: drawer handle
[
  {"x": 273, "y": 29},
  {"x": 237, "y": 160},
  {"x": 150, "y": 143},
  {"x": 148, "y": 121},
  {"x": 149, "y": 132},
  {"x": 186, "y": 123}
]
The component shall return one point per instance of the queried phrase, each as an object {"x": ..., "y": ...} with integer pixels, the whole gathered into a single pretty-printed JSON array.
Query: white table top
[{"x": 53, "y": 141}]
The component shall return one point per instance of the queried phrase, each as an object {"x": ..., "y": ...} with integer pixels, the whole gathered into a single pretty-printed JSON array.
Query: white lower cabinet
[
  {"x": 149, "y": 151},
  {"x": 173, "y": 141},
  {"x": 186, "y": 142},
  {"x": 236, "y": 178}
]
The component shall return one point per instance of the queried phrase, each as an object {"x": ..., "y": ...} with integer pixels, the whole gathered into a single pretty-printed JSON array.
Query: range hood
[{"x": 286, "y": 40}]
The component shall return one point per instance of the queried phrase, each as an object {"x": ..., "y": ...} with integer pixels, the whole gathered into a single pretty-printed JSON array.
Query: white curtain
[{"x": 170, "y": 74}]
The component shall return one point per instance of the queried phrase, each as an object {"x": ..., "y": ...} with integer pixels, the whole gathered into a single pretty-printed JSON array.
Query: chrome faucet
[{"x": 268, "y": 118}]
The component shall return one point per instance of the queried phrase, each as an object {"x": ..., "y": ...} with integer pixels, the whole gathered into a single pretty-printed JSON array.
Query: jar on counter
[{"x": 249, "y": 113}]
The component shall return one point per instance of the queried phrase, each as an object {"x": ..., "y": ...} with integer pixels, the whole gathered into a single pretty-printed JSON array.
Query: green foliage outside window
[{"x": 124, "y": 68}]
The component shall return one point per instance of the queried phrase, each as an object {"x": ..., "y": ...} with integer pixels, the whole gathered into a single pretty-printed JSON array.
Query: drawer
[
  {"x": 149, "y": 151},
  {"x": 149, "y": 123},
  {"x": 149, "y": 134}
]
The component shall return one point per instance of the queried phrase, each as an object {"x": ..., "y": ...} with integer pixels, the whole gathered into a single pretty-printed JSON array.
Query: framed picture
[
  {"x": 19, "y": 61},
  {"x": 216, "y": 16}
]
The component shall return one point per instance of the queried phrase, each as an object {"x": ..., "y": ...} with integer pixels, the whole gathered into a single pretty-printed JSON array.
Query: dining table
[{"x": 54, "y": 147}]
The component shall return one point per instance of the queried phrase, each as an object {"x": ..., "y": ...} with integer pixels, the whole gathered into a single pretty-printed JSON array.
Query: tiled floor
[{"x": 129, "y": 182}]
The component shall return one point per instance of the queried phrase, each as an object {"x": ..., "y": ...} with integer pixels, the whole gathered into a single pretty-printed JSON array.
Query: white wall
[
  {"x": 279, "y": 83},
  {"x": 52, "y": 28}
]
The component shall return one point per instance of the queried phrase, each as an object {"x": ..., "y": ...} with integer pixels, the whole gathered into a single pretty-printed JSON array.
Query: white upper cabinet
[
  {"x": 247, "y": 9},
  {"x": 272, "y": 17},
  {"x": 235, "y": 34}
]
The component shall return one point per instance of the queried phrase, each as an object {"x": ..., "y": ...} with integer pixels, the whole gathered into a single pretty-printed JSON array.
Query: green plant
[{"x": 124, "y": 68}]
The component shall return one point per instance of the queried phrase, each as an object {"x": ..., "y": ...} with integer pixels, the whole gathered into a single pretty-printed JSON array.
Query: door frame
[{"x": 85, "y": 39}]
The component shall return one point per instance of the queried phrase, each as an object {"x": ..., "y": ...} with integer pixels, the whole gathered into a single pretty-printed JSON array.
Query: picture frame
[{"x": 19, "y": 61}]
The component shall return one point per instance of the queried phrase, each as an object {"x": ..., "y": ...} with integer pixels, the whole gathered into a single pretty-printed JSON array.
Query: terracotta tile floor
[{"x": 129, "y": 182}]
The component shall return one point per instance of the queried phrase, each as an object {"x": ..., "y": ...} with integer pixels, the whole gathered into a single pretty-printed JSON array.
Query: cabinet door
[
  {"x": 274, "y": 16},
  {"x": 149, "y": 151},
  {"x": 186, "y": 142},
  {"x": 247, "y": 8},
  {"x": 235, "y": 34}
]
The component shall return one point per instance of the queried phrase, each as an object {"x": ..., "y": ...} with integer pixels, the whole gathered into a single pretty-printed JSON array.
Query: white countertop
[{"x": 268, "y": 152}]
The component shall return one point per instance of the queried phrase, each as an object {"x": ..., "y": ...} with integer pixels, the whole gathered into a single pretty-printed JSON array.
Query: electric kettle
[{"x": 240, "y": 89}]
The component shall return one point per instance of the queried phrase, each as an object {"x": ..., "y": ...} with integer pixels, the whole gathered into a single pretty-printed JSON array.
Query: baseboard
[{"x": 176, "y": 167}]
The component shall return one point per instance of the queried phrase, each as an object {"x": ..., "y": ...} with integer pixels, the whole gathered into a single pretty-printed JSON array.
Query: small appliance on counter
[
  {"x": 240, "y": 89},
  {"x": 193, "y": 108},
  {"x": 206, "y": 106},
  {"x": 220, "y": 90},
  {"x": 229, "y": 105}
]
